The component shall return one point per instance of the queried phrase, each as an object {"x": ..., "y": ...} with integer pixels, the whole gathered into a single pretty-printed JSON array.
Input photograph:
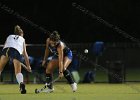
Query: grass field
[{"x": 94, "y": 91}]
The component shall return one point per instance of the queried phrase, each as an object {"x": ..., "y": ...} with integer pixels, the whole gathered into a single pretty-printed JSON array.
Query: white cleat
[
  {"x": 74, "y": 87},
  {"x": 49, "y": 90}
]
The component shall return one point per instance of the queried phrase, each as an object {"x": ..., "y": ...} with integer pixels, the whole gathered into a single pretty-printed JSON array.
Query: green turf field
[{"x": 94, "y": 91}]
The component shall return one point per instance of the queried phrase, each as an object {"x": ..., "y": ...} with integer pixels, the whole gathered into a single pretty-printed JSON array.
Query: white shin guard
[{"x": 19, "y": 77}]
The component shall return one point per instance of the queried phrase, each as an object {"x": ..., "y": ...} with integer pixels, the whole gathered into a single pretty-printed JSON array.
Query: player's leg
[
  {"x": 3, "y": 62},
  {"x": 68, "y": 75},
  {"x": 19, "y": 75},
  {"x": 49, "y": 73}
]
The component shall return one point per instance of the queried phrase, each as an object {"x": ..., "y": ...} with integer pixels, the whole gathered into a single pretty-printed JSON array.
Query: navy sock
[
  {"x": 68, "y": 76},
  {"x": 48, "y": 80}
]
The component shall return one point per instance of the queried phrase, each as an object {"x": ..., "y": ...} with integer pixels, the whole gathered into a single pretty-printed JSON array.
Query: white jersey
[{"x": 15, "y": 41}]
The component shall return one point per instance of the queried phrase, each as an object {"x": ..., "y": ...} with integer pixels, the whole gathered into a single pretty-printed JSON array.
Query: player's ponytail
[{"x": 18, "y": 30}]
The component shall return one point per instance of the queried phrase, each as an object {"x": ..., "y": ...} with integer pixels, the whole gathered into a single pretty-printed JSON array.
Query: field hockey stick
[
  {"x": 25, "y": 67},
  {"x": 44, "y": 87},
  {"x": 34, "y": 73}
]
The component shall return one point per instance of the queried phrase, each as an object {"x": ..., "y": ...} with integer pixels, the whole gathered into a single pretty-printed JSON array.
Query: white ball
[{"x": 86, "y": 51}]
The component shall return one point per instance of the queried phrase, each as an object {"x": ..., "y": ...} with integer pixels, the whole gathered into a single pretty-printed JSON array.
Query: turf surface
[{"x": 94, "y": 91}]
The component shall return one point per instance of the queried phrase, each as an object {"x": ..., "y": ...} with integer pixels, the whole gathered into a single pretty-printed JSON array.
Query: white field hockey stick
[{"x": 44, "y": 87}]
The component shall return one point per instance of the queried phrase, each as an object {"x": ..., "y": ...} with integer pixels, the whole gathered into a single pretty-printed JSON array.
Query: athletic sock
[
  {"x": 68, "y": 76},
  {"x": 48, "y": 80},
  {"x": 19, "y": 78}
]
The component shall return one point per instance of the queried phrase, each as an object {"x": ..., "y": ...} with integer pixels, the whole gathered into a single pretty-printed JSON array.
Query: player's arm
[
  {"x": 46, "y": 54},
  {"x": 26, "y": 57},
  {"x": 60, "y": 58}
]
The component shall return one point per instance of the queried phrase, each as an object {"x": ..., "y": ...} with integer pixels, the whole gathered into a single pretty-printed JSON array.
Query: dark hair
[{"x": 54, "y": 36}]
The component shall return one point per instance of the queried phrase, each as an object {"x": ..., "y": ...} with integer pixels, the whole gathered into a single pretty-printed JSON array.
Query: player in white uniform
[{"x": 13, "y": 49}]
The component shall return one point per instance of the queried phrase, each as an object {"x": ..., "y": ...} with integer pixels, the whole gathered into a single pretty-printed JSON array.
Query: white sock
[{"x": 19, "y": 77}]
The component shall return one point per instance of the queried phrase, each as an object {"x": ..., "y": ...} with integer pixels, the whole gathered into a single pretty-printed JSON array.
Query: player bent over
[
  {"x": 13, "y": 48},
  {"x": 62, "y": 57}
]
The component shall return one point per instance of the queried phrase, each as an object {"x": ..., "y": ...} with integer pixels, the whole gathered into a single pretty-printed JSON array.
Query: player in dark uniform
[{"x": 62, "y": 57}]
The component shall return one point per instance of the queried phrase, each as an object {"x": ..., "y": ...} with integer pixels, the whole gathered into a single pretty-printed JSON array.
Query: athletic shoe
[
  {"x": 22, "y": 88},
  {"x": 74, "y": 87},
  {"x": 49, "y": 90}
]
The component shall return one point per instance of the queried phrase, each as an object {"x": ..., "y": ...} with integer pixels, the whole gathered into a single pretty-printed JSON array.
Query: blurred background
[{"x": 112, "y": 56}]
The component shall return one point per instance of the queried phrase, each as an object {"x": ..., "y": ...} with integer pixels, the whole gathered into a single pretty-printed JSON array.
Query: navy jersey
[
  {"x": 54, "y": 49},
  {"x": 66, "y": 50}
]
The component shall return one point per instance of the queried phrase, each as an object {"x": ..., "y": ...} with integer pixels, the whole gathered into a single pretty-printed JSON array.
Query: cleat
[
  {"x": 49, "y": 90},
  {"x": 22, "y": 88},
  {"x": 74, "y": 87}
]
